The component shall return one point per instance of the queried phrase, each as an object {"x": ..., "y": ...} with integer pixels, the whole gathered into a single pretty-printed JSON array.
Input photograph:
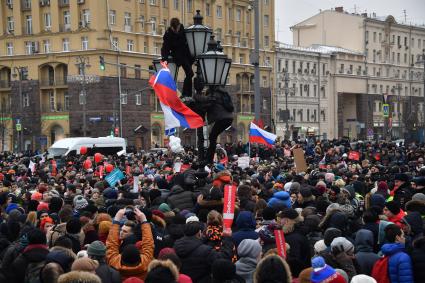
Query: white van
[{"x": 72, "y": 146}]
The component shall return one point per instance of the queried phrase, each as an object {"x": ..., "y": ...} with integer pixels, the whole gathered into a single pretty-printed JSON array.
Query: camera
[{"x": 129, "y": 213}]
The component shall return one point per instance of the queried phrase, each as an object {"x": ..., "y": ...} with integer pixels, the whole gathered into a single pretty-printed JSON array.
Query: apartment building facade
[
  {"x": 390, "y": 73},
  {"x": 44, "y": 89}
]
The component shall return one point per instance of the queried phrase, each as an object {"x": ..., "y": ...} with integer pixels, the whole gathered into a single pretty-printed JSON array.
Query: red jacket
[{"x": 396, "y": 219}]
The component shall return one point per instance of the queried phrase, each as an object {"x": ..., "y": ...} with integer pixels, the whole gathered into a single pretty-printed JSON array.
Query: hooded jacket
[
  {"x": 399, "y": 264},
  {"x": 113, "y": 256},
  {"x": 245, "y": 223},
  {"x": 197, "y": 257},
  {"x": 415, "y": 223},
  {"x": 418, "y": 259},
  {"x": 31, "y": 254},
  {"x": 279, "y": 200},
  {"x": 365, "y": 257},
  {"x": 181, "y": 199}
]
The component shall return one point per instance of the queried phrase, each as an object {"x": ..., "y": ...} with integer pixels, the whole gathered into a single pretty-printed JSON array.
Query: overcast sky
[{"x": 290, "y": 12}]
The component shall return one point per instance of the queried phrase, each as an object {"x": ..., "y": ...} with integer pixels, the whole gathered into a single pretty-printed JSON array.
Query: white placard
[
  {"x": 135, "y": 184},
  {"x": 243, "y": 162},
  {"x": 177, "y": 167}
]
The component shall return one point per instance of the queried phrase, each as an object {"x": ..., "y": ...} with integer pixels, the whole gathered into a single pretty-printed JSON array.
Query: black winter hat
[
  {"x": 36, "y": 236},
  {"x": 73, "y": 226},
  {"x": 130, "y": 255},
  {"x": 289, "y": 213},
  {"x": 330, "y": 235},
  {"x": 269, "y": 213},
  {"x": 393, "y": 207},
  {"x": 223, "y": 270},
  {"x": 401, "y": 177},
  {"x": 160, "y": 274}
]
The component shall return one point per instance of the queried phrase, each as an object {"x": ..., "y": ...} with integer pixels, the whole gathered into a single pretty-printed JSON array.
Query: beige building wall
[{"x": 62, "y": 30}]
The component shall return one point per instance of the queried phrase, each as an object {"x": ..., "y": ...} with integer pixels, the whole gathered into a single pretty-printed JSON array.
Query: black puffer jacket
[
  {"x": 31, "y": 254},
  {"x": 418, "y": 260},
  {"x": 181, "y": 199},
  {"x": 197, "y": 258},
  {"x": 175, "y": 44}
]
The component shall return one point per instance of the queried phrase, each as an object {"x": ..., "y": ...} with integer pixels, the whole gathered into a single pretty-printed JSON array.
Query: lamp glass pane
[
  {"x": 225, "y": 73},
  {"x": 209, "y": 70},
  {"x": 219, "y": 70},
  {"x": 190, "y": 42}
]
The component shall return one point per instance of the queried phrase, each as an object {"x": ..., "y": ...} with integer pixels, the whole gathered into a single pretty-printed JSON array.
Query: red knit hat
[
  {"x": 133, "y": 280},
  {"x": 43, "y": 206}
]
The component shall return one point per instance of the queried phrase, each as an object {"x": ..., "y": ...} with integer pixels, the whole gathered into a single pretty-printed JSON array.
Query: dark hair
[
  {"x": 63, "y": 241},
  {"x": 370, "y": 216},
  {"x": 272, "y": 268},
  {"x": 36, "y": 236},
  {"x": 174, "y": 23},
  {"x": 65, "y": 214},
  {"x": 391, "y": 232},
  {"x": 73, "y": 226},
  {"x": 51, "y": 272},
  {"x": 191, "y": 228}
]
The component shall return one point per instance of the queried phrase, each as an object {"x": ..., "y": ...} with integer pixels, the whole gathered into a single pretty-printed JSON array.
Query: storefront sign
[{"x": 59, "y": 117}]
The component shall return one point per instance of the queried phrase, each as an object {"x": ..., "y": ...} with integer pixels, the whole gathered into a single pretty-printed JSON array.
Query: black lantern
[
  {"x": 197, "y": 35},
  {"x": 213, "y": 64},
  {"x": 174, "y": 70}
]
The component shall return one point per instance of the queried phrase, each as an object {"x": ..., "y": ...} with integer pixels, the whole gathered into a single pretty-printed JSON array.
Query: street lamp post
[
  {"x": 83, "y": 63},
  {"x": 212, "y": 70},
  {"x": 422, "y": 61},
  {"x": 286, "y": 104},
  {"x": 18, "y": 72}
]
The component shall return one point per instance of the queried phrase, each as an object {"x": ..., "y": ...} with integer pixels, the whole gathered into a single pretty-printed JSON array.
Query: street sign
[
  {"x": 88, "y": 79},
  {"x": 385, "y": 110},
  {"x": 18, "y": 127},
  {"x": 370, "y": 134}
]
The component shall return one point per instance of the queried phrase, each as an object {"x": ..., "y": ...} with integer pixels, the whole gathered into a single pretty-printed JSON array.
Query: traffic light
[
  {"x": 117, "y": 131},
  {"x": 102, "y": 63}
]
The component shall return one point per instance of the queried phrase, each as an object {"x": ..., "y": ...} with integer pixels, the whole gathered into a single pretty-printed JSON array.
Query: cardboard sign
[
  {"x": 229, "y": 206},
  {"x": 299, "y": 159},
  {"x": 280, "y": 243},
  {"x": 243, "y": 162},
  {"x": 177, "y": 167},
  {"x": 354, "y": 155}
]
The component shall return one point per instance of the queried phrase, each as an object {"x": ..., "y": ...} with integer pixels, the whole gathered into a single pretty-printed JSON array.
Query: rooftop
[{"x": 318, "y": 48}]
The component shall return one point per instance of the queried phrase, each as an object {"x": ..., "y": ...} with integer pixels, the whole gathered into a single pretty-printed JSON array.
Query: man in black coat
[
  {"x": 402, "y": 191},
  {"x": 181, "y": 199},
  {"x": 175, "y": 45},
  {"x": 197, "y": 257}
]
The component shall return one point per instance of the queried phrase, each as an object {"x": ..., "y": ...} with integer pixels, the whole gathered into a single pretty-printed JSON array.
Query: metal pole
[
  {"x": 83, "y": 69},
  {"x": 318, "y": 94},
  {"x": 119, "y": 90},
  {"x": 20, "y": 141},
  {"x": 286, "y": 103},
  {"x": 423, "y": 107},
  {"x": 257, "y": 96}
]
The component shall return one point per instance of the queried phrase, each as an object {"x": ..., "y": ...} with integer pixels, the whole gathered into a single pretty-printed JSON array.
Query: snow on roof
[{"x": 318, "y": 48}]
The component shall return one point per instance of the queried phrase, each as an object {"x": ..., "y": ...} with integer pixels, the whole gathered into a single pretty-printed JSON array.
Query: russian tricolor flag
[
  {"x": 258, "y": 135},
  {"x": 176, "y": 113}
]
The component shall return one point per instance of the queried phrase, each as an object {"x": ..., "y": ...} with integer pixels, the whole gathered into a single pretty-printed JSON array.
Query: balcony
[
  {"x": 63, "y": 3},
  {"x": 49, "y": 83},
  {"x": 65, "y": 28},
  {"x": 4, "y": 84},
  {"x": 53, "y": 108},
  {"x": 26, "y": 5}
]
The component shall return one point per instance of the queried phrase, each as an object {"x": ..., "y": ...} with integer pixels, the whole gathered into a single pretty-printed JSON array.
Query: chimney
[{"x": 339, "y": 9}]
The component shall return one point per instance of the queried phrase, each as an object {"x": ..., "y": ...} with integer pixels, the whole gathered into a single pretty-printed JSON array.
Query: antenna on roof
[{"x": 405, "y": 16}]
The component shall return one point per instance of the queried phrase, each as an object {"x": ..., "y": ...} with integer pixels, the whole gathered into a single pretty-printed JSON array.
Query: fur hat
[
  {"x": 85, "y": 264},
  {"x": 79, "y": 277},
  {"x": 162, "y": 272}
]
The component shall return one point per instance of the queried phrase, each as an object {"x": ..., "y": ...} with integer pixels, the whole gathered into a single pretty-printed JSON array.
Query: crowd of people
[{"x": 355, "y": 214}]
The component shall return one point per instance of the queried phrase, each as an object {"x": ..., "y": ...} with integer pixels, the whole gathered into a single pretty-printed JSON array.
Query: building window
[
  {"x": 242, "y": 58},
  {"x": 152, "y": 2},
  {"x": 123, "y": 70},
  {"x": 67, "y": 101},
  {"x": 265, "y": 83},
  {"x": 28, "y": 24},
  {"x": 25, "y": 99},
  {"x": 130, "y": 45},
  {"x": 124, "y": 97},
  {"x": 266, "y": 20},
  {"x": 46, "y": 46},
  {"x": 266, "y": 41},
  {"x": 314, "y": 115},
  {"x": 238, "y": 15},
  {"x": 157, "y": 48},
  {"x": 229, "y": 14},
  {"x": 301, "y": 90},
  {"x": 176, "y": 4},
  {"x": 308, "y": 115},
  {"x": 324, "y": 92},
  {"x": 145, "y": 47},
  {"x": 314, "y": 90},
  {"x": 165, "y": 3},
  {"x": 28, "y": 47},
  {"x": 294, "y": 114},
  {"x": 84, "y": 43},
  {"x": 218, "y": 33},
  {"x": 374, "y": 36},
  {"x": 189, "y": 6},
  {"x": 52, "y": 101},
  {"x": 10, "y": 24},
  {"x": 47, "y": 21},
  {"x": 153, "y": 22},
  {"x": 137, "y": 72},
  {"x": 66, "y": 18},
  {"x": 127, "y": 19},
  {"x": 266, "y": 2},
  {"x": 207, "y": 9},
  {"x": 367, "y": 35},
  {"x": 85, "y": 17},
  {"x": 115, "y": 44},
  {"x": 219, "y": 12},
  {"x": 9, "y": 47},
  {"x": 138, "y": 99},
  {"x": 112, "y": 17}
]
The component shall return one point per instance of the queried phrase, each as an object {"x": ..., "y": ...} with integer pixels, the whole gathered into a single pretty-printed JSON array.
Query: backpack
[
  {"x": 58, "y": 232},
  {"x": 380, "y": 270},
  {"x": 32, "y": 273}
]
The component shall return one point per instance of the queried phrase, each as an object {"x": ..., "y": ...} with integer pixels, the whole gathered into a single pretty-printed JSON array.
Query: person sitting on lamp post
[{"x": 175, "y": 45}]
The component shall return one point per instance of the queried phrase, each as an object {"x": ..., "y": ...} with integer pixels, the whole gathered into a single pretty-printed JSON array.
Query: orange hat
[
  {"x": 44, "y": 221},
  {"x": 37, "y": 196},
  {"x": 11, "y": 172},
  {"x": 103, "y": 217}
]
